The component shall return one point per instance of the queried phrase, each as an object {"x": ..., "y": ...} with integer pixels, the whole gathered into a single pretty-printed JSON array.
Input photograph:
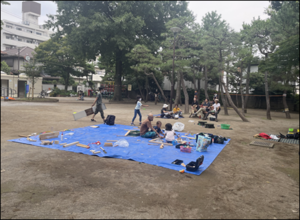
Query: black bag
[
  {"x": 110, "y": 120},
  {"x": 290, "y": 136},
  {"x": 220, "y": 140},
  {"x": 168, "y": 116},
  {"x": 216, "y": 139},
  {"x": 194, "y": 166},
  {"x": 297, "y": 136}
]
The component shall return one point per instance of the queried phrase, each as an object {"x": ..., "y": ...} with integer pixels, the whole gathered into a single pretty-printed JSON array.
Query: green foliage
[
  {"x": 4, "y": 67},
  {"x": 4, "y": 3},
  {"x": 59, "y": 59},
  {"x": 114, "y": 28},
  {"x": 56, "y": 91}
]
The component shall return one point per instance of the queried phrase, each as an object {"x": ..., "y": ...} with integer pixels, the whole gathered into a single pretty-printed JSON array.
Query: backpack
[{"x": 110, "y": 120}]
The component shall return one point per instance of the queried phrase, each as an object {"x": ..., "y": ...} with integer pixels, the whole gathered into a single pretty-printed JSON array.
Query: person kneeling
[{"x": 146, "y": 125}]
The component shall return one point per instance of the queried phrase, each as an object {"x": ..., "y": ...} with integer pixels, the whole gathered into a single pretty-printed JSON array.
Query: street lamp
[{"x": 175, "y": 30}]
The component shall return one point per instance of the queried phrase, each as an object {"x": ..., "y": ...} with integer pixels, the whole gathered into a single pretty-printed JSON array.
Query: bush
[{"x": 57, "y": 91}]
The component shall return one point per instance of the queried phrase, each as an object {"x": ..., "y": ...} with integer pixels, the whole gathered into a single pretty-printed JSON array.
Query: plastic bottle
[{"x": 61, "y": 136}]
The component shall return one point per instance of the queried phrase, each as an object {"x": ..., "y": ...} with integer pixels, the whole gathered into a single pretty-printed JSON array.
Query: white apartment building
[{"x": 27, "y": 33}]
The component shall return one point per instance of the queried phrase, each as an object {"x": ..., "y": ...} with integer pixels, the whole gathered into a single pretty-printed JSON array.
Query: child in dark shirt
[{"x": 158, "y": 127}]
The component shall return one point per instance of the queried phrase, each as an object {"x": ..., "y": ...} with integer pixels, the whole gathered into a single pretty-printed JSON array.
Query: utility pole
[{"x": 18, "y": 61}]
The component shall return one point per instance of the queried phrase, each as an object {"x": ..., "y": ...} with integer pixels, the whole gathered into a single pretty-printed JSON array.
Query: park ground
[{"x": 244, "y": 181}]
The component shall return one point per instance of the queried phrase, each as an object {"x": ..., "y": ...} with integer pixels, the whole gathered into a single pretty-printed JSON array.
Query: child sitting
[
  {"x": 169, "y": 133},
  {"x": 158, "y": 127}
]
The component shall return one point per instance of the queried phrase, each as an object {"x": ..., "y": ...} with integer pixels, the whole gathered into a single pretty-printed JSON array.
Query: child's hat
[{"x": 165, "y": 106}]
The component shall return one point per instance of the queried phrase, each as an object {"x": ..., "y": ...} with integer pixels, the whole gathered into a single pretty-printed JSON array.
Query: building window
[
  {"x": 9, "y": 26},
  {"x": 29, "y": 41},
  {"x": 29, "y": 31},
  {"x": 19, "y": 29},
  {"x": 8, "y": 37},
  {"x": 38, "y": 33},
  {"x": 19, "y": 39}
]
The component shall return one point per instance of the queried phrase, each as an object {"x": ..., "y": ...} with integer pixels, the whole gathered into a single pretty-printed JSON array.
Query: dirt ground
[{"x": 244, "y": 181}]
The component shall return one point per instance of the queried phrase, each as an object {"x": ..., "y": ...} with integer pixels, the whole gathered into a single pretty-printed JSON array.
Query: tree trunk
[
  {"x": 205, "y": 84},
  {"x": 223, "y": 97},
  {"x": 267, "y": 94},
  {"x": 199, "y": 81},
  {"x": 180, "y": 100},
  {"x": 186, "y": 97},
  {"x": 118, "y": 75},
  {"x": 231, "y": 102},
  {"x": 67, "y": 82},
  {"x": 247, "y": 87},
  {"x": 286, "y": 107},
  {"x": 178, "y": 89},
  {"x": 32, "y": 83},
  {"x": 162, "y": 92},
  {"x": 147, "y": 89},
  {"x": 242, "y": 95},
  {"x": 227, "y": 87},
  {"x": 140, "y": 89}
]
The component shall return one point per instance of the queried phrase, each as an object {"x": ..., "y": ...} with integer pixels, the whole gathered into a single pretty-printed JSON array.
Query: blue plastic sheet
[
  {"x": 138, "y": 149},
  {"x": 165, "y": 116}
]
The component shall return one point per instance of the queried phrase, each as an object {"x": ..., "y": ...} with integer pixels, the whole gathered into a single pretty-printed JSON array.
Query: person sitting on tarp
[
  {"x": 177, "y": 111},
  {"x": 146, "y": 125},
  {"x": 215, "y": 111},
  {"x": 204, "y": 108},
  {"x": 158, "y": 127},
  {"x": 166, "y": 113}
]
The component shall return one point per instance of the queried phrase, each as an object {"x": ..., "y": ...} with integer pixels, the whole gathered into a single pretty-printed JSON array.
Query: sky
[{"x": 234, "y": 12}]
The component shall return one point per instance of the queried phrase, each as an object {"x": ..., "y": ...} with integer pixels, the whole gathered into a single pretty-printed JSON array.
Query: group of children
[{"x": 169, "y": 133}]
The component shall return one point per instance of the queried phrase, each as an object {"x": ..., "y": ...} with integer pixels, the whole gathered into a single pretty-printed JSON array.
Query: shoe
[
  {"x": 216, "y": 120},
  {"x": 93, "y": 120},
  {"x": 132, "y": 124},
  {"x": 140, "y": 124}
]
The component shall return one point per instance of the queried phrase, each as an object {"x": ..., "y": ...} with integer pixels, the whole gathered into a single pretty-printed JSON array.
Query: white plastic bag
[
  {"x": 121, "y": 143},
  {"x": 178, "y": 126}
]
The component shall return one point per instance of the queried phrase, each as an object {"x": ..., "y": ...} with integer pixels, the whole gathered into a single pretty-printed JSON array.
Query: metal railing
[{"x": 5, "y": 91}]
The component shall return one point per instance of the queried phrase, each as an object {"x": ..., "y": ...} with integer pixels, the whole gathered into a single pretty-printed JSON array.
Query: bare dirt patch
[{"x": 243, "y": 182}]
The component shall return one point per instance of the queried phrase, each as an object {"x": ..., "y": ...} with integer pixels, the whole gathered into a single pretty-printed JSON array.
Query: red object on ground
[{"x": 265, "y": 136}]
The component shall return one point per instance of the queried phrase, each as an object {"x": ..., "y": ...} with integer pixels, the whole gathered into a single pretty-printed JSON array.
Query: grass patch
[{"x": 36, "y": 100}]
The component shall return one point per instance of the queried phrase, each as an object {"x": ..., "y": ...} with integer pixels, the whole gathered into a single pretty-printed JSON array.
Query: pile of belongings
[{"x": 276, "y": 137}]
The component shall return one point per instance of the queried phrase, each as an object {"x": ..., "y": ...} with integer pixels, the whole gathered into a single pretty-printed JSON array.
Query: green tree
[
  {"x": 33, "y": 71},
  {"x": 4, "y": 67},
  {"x": 260, "y": 31},
  {"x": 113, "y": 28},
  {"x": 59, "y": 59},
  {"x": 219, "y": 39},
  {"x": 145, "y": 63},
  {"x": 4, "y": 3}
]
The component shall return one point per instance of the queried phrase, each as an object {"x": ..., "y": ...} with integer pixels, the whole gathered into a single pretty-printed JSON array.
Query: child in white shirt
[{"x": 169, "y": 133}]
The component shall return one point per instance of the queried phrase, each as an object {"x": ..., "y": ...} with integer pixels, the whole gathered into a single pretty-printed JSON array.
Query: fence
[
  {"x": 259, "y": 102},
  {"x": 5, "y": 91}
]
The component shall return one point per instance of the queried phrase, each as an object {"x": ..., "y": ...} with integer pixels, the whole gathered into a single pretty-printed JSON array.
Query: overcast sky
[{"x": 235, "y": 12}]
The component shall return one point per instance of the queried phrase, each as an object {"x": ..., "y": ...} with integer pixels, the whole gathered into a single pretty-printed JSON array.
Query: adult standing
[
  {"x": 215, "y": 96},
  {"x": 146, "y": 125},
  {"x": 98, "y": 100}
]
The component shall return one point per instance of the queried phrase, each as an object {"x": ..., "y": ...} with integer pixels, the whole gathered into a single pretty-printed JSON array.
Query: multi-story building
[{"x": 27, "y": 33}]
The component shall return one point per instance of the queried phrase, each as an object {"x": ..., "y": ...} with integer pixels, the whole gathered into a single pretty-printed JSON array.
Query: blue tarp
[
  {"x": 166, "y": 117},
  {"x": 138, "y": 149}
]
